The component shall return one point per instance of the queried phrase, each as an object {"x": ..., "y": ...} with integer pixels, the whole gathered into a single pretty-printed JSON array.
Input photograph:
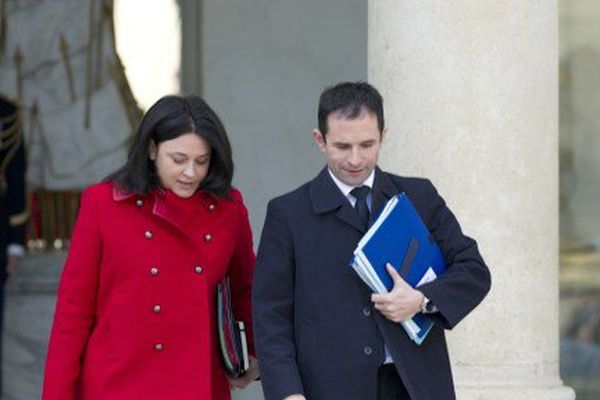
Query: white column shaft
[{"x": 470, "y": 92}]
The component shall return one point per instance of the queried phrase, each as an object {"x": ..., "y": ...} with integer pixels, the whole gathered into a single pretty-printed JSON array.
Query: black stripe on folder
[{"x": 413, "y": 247}]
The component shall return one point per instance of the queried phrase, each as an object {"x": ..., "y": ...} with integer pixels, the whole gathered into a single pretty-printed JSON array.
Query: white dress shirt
[{"x": 346, "y": 189}]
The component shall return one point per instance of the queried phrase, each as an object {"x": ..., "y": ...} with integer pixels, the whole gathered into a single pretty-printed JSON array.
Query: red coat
[{"x": 135, "y": 316}]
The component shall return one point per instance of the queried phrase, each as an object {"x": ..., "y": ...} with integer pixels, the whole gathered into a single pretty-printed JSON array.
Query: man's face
[{"x": 351, "y": 146}]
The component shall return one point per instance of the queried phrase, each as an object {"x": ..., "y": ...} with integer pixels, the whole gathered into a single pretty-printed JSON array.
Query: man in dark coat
[
  {"x": 319, "y": 331},
  {"x": 13, "y": 211}
]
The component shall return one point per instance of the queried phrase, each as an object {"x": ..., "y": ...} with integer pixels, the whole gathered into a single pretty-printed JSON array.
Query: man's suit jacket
[{"x": 316, "y": 331}]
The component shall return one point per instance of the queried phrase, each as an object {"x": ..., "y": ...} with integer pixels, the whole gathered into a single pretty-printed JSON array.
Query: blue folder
[{"x": 401, "y": 238}]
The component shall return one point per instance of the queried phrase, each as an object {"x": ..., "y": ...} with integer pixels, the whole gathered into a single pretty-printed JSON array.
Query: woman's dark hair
[{"x": 169, "y": 118}]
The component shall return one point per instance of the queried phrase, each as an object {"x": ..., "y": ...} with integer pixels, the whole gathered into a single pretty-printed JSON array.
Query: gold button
[
  {"x": 158, "y": 346},
  {"x": 207, "y": 237},
  {"x": 139, "y": 203},
  {"x": 198, "y": 269},
  {"x": 148, "y": 235},
  {"x": 156, "y": 308},
  {"x": 153, "y": 271},
  {"x": 211, "y": 207}
]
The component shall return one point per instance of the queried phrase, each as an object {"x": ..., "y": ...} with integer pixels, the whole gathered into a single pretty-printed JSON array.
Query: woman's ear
[{"x": 152, "y": 150}]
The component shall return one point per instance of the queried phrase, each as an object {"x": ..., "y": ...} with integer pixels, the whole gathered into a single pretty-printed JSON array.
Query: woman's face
[{"x": 181, "y": 163}]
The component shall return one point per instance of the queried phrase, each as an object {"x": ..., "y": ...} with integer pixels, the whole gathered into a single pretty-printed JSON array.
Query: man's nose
[{"x": 355, "y": 156}]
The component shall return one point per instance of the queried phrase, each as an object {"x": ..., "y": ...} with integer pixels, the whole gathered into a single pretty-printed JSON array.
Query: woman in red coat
[{"x": 135, "y": 316}]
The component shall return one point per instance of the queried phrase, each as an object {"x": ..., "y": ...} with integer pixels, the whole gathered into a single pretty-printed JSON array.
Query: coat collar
[
  {"x": 120, "y": 194},
  {"x": 383, "y": 190},
  {"x": 157, "y": 199},
  {"x": 325, "y": 197},
  {"x": 161, "y": 209}
]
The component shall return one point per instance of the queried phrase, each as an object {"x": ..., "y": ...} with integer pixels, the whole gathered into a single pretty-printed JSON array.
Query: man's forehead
[{"x": 349, "y": 114}]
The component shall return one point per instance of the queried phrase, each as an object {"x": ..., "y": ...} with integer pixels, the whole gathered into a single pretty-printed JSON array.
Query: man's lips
[{"x": 354, "y": 171}]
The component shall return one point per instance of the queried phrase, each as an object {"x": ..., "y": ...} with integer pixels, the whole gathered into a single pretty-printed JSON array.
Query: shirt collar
[{"x": 345, "y": 188}]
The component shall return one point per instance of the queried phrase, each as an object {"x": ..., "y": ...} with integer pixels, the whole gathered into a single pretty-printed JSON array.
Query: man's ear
[
  {"x": 152, "y": 150},
  {"x": 319, "y": 139}
]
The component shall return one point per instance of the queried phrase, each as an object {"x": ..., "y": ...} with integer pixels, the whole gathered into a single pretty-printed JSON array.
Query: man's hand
[
  {"x": 401, "y": 303},
  {"x": 295, "y": 397},
  {"x": 250, "y": 376}
]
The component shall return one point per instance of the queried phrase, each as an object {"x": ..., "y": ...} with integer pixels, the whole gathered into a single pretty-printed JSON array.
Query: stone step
[{"x": 30, "y": 297}]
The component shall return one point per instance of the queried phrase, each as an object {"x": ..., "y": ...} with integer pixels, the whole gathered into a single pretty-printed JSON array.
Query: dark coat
[
  {"x": 315, "y": 328},
  {"x": 13, "y": 210}
]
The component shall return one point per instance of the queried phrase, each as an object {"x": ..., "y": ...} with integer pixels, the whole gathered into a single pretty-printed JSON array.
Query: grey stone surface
[
  {"x": 264, "y": 78},
  {"x": 29, "y": 309}
]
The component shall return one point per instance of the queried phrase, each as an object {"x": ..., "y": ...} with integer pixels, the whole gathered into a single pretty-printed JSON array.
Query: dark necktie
[{"x": 362, "y": 209}]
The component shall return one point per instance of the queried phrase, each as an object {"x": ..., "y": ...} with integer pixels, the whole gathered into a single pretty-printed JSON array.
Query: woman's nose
[{"x": 189, "y": 170}]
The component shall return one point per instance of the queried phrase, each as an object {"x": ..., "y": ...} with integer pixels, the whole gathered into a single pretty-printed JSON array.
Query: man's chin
[{"x": 354, "y": 180}]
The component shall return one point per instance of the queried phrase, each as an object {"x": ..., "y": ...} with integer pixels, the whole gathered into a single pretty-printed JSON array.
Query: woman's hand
[{"x": 250, "y": 376}]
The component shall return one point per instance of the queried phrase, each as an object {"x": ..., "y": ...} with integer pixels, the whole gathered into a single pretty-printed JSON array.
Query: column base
[{"x": 558, "y": 392}]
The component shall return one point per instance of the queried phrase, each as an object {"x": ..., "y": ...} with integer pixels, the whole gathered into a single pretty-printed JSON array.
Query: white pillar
[{"x": 470, "y": 91}]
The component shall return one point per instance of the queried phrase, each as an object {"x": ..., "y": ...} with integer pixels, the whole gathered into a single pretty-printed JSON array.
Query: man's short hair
[{"x": 350, "y": 99}]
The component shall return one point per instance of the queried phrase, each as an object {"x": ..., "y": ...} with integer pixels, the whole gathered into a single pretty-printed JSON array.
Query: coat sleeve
[
  {"x": 76, "y": 305},
  {"x": 273, "y": 302},
  {"x": 467, "y": 278},
  {"x": 241, "y": 270}
]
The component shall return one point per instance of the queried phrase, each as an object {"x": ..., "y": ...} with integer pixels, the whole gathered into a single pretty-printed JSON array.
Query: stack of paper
[
  {"x": 399, "y": 237},
  {"x": 232, "y": 334}
]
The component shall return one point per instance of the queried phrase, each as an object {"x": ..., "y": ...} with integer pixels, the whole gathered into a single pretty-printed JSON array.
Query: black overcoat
[{"x": 316, "y": 331}]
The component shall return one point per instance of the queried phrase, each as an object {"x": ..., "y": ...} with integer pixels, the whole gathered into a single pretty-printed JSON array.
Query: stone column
[{"x": 470, "y": 90}]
